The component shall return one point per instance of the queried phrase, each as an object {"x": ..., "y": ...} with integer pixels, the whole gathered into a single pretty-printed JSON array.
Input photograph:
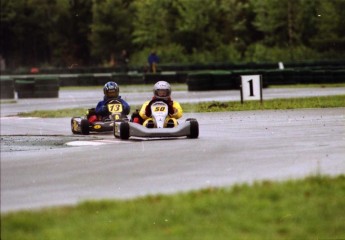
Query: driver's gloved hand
[
  {"x": 148, "y": 112},
  {"x": 171, "y": 109}
]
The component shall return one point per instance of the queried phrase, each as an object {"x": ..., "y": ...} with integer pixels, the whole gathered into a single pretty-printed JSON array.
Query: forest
[{"x": 64, "y": 33}]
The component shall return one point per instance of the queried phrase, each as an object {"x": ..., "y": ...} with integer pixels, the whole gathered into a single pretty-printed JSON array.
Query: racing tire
[
  {"x": 114, "y": 130},
  {"x": 190, "y": 119},
  {"x": 124, "y": 131},
  {"x": 74, "y": 132},
  {"x": 84, "y": 127},
  {"x": 194, "y": 129}
]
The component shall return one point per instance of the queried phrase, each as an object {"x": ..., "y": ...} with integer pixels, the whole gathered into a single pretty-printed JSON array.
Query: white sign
[{"x": 251, "y": 87}]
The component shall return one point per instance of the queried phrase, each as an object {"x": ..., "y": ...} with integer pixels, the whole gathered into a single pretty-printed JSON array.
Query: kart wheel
[
  {"x": 115, "y": 130},
  {"x": 72, "y": 128},
  {"x": 84, "y": 126},
  {"x": 124, "y": 130},
  {"x": 190, "y": 119},
  {"x": 194, "y": 129}
]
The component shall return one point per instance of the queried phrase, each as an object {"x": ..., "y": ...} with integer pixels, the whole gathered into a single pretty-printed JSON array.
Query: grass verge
[
  {"x": 311, "y": 85},
  {"x": 8, "y": 101},
  {"x": 283, "y": 104},
  {"x": 312, "y": 208},
  {"x": 291, "y": 103}
]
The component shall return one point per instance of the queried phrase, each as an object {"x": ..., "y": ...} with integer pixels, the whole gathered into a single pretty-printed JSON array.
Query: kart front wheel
[
  {"x": 84, "y": 127},
  {"x": 124, "y": 130},
  {"x": 194, "y": 129}
]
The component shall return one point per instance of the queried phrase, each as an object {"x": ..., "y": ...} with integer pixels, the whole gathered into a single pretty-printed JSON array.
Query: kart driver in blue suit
[{"x": 111, "y": 92}]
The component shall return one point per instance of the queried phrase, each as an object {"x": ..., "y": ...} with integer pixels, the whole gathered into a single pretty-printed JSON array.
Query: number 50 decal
[{"x": 251, "y": 87}]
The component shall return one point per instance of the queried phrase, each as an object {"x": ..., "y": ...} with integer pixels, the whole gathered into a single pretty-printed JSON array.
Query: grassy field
[
  {"x": 311, "y": 85},
  {"x": 293, "y": 103},
  {"x": 288, "y": 103},
  {"x": 312, "y": 208}
]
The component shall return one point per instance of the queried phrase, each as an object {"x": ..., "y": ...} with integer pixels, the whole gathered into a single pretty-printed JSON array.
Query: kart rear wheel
[
  {"x": 72, "y": 128},
  {"x": 194, "y": 129},
  {"x": 84, "y": 127},
  {"x": 124, "y": 130}
]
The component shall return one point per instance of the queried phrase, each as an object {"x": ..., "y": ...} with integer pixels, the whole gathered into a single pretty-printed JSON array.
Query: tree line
[{"x": 62, "y": 33}]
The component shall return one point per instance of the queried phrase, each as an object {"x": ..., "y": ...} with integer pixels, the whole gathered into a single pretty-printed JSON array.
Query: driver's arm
[
  {"x": 126, "y": 107},
  {"x": 142, "y": 111},
  {"x": 101, "y": 109},
  {"x": 177, "y": 110}
]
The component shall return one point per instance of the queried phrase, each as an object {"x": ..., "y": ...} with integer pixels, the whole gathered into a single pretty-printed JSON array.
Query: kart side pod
[{"x": 125, "y": 130}]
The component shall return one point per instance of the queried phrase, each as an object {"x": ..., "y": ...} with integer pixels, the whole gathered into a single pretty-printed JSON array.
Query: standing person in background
[
  {"x": 2, "y": 64},
  {"x": 153, "y": 60},
  {"x": 124, "y": 59},
  {"x": 112, "y": 62}
]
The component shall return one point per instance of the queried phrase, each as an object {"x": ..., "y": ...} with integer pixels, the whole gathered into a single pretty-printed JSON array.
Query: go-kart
[
  {"x": 125, "y": 129},
  {"x": 81, "y": 125}
]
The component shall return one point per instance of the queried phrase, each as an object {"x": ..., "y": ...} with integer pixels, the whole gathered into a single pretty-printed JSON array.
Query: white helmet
[{"x": 162, "y": 90}]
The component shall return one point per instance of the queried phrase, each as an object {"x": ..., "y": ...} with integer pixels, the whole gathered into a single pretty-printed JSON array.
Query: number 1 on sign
[{"x": 251, "y": 88}]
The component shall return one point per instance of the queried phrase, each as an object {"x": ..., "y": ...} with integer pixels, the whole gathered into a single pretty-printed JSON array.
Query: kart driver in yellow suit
[{"x": 161, "y": 92}]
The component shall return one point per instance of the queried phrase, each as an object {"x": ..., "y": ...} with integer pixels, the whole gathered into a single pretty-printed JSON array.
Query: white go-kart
[{"x": 125, "y": 130}]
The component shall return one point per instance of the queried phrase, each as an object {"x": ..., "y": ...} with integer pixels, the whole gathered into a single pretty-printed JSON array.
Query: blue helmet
[{"x": 111, "y": 90}]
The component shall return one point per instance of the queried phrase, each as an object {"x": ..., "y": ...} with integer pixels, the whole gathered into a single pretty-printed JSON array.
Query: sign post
[{"x": 251, "y": 87}]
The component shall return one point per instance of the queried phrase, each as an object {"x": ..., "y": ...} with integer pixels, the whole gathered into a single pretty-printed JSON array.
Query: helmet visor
[
  {"x": 162, "y": 93},
  {"x": 111, "y": 93}
]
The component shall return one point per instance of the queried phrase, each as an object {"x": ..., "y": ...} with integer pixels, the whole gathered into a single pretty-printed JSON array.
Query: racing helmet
[
  {"x": 162, "y": 90},
  {"x": 111, "y": 90}
]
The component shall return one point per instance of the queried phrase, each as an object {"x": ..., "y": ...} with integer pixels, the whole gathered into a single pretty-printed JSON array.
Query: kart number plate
[
  {"x": 115, "y": 108},
  {"x": 159, "y": 109}
]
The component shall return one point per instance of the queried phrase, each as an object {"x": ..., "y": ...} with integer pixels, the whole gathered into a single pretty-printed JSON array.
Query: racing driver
[
  {"x": 111, "y": 92},
  {"x": 161, "y": 92}
]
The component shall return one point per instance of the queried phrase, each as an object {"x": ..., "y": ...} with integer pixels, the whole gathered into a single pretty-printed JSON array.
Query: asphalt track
[{"x": 39, "y": 169}]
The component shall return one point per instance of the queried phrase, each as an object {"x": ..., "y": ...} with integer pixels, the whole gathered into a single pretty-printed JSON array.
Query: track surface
[{"x": 39, "y": 170}]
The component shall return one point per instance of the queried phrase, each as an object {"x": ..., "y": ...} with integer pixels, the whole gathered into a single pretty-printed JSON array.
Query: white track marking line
[{"x": 94, "y": 142}]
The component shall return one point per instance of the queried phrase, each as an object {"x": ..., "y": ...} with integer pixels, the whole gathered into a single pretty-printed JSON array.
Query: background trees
[
  {"x": 111, "y": 29},
  {"x": 23, "y": 31},
  {"x": 94, "y": 32},
  {"x": 69, "y": 32}
]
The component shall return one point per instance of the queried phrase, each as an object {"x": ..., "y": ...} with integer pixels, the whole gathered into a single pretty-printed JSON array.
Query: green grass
[
  {"x": 312, "y": 208},
  {"x": 293, "y": 103},
  {"x": 311, "y": 85},
  {"x": 68, "y": 112},
  {"x": 7, "y": 101},
  {"x": 283, "y": 104}
]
